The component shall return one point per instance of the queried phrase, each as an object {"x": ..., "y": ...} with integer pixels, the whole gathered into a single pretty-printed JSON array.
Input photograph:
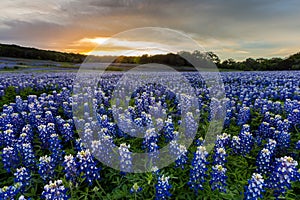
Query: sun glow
[{"x": 97, "y": 40}]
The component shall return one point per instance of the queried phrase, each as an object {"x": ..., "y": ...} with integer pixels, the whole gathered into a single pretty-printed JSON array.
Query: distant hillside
[
  {"x": 291, "y": 62},
  {"x": 16, "y": 51}
]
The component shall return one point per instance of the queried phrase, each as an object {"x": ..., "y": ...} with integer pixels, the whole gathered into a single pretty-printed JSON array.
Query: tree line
[
  {"x": 179, "y": 59},
  {"x": 16, "y": 51}
]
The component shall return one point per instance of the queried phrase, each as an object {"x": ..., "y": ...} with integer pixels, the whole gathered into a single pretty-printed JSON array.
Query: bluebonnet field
[{"x": 255, "y": 156}]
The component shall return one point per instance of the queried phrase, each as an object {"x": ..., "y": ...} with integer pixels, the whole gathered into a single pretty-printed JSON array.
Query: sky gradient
[{"x": 232, "y": 28}]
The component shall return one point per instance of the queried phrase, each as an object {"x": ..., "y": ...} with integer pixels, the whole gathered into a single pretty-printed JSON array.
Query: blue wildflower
[
  {"x": 244, "y": 115},
  {"x": 70, "y": 168},
  {"x": 284, "y": 173},
  {"x": 67, "y": 132},
  {"x": 56, "y": 149},
  {"x": 255, "y": 188},
  {"x": 125, "y": 158},
  {"x": 135, "y": 188},
  {"x": 219, "y": 156},
  {"x": 179, "y": 152},
  {"x": 55, "y": 191},
  {"x": 9, "y": 192},
  {"x": 198, "y": 171},
  {"x": 162, "y": 188},
  {"x": 218, "y": 178},
  {"x": 10, "y": 158},
  {"x": 28, "y": 156},
  {"x": 23, "y": 176},
  {"x": 87, "y": 166},
  {"x": 46, "y": 168},
  {"x": 264, "y": 161}
]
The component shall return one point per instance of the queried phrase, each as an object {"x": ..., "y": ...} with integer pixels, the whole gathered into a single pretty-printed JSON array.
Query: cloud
[{"x": 230, "y": 27}]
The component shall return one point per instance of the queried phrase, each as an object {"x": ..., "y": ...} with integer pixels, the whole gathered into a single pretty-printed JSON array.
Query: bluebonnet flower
[
  {"x": 222, "y": 140},
  {"x": 10, "y": 158},
  {"x": 28, "y": 130},
  {"x": 162, "y": 188},
  {"x": 104, "y": 148},
  {"x": 55, "y": 191},
  {"x": 179, "y": 152},
  {"x": 44, "y": 135},
  {"x": 146, "y": 119},
  {"x": 24, "y": 138},
  {"x": 135, "y": 188},
  {"x": 70, "y": 168},
  {"x": 264, "y": 161},
  {"x": 153, "y": 154},
  {"x": 125, "y": 158},
  {"x": 9, "y": 192},
  {"x": 79, "y": 146},
  {"x": 199, "y": 141},
  {"x": 189, "y": 124},
  {"x": 264, "y": 130},
  {"x": 255, "y": 188},
  {"x": 236, "y": 144},
  {"x": 28, "y": 156},
  {"x": 169, "y": 129},
  {"x": 49, "y": 117},
  {"x": 155, "y": 170},
  {"x": 17, "y": 122},
  {"x": 56, "y": 149},
  {"x": 87, "y": 136},
  {"x": 50, "y": 128},
  {"x": 198, "y": 171},
  {"x": 284, "y": 125},
  {"x": 23, "y": 176},
  {"x": 23, "y": 198},
  {"x": 19, "y": 104},
  {"x": 245, "y": 128},
  {"x": 271, "y": 145},
  {"x": 8, "y": 137},
  {"x": 67, "y": 132},
  {"x": 87, "y": 166},
  {"x": 294, "y": 117},
  {"x": 218, "y": 178},
  {"x": 246, "y": 142},
  {"x": 244, "y": 115},
  {"x": 229, "y": 115},
  {"x": 283, "y": 139},
  {"x": 219, "y": 156},
  {"x": 150, "y": 137},
  {"x": 284, "y": 173},
  {"x": 46, "y": 168}
]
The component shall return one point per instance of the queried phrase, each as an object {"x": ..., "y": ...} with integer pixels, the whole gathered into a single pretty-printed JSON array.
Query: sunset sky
[{"x": 231, "y": 28}]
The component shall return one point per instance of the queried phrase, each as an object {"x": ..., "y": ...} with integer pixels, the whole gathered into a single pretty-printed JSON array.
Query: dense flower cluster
[
  {"x": 218, "y": 178},
  {"x": 198, "y": 171},
  {"x": 179, "y": 152},
  {"x": 23, "y": 176},
  {"x": 70, "y": 168},
  {"x": 44, "y": 126},
  {"x": 87, "y": 166},
  {"x": 46, "y": 167},
  {"x": 10, "y": 158},
  {"x": 9, "y": 192},
  {"x": 255, "y": 187},
  {"x": 125, "y": 158},
  {"x": 284, "y": 173},
  {"x": 162, "y": 188},
  {"x": 54, "y": 191}
]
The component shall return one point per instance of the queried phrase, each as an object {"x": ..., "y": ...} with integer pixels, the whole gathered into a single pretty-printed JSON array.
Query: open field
[{"x": 256, "y": 142}]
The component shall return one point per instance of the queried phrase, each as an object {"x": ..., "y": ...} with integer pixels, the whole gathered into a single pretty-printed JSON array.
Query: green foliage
[{"x": 15, "y": 51}]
